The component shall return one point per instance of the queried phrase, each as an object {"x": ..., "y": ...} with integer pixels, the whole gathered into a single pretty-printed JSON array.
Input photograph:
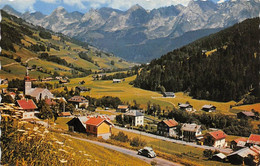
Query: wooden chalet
[
  {"x": 79, "y": 101},
  {"x": 190, "y": 132},
  {"x": 246, "y": 115},
  {"x": 209, "y": 108},
  {"x": 185, "y": 107},
  {"x": 167, "y": 128},
  {"x": 168, "y": 94},
  {"x": 238, "y": 143}
]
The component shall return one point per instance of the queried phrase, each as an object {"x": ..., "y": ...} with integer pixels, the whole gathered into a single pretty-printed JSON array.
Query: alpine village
[{"x": 175, "y": 85}]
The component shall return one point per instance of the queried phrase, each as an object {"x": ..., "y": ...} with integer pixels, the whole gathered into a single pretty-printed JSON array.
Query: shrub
[
  {"x": 121, "y": 136},
  {"x": 136, "y": 142}
]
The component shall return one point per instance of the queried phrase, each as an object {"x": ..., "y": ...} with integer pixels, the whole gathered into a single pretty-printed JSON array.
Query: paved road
[
  {"x": 223, "y": 150},
  {"x": 160, "y": 161}
]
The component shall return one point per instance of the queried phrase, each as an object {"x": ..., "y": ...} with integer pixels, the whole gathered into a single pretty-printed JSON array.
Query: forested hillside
[
  {"x": 49, "y": 54},
  {"x": 221, "y": 67}
]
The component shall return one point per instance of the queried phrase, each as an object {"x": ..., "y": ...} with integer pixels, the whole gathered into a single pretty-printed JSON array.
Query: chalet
[
  {"x": 167, "y": 128},
  {"x": 209, "y": 108},
  {"x": 99, "y": 127},
  {"x": 82, "y": 89},
  {"x": 122, "y": 108},
  {"x": 136, "y": 116},
  {"x": 79, "y": 101},
  {"x": 63, "y": 81},
  {"x": 246, "y": 115},
  {"x": 253, "y": 139},
  {"x": 238, "y": 143},
  {"x": 38, "y": 93},
  {"x": 117, "y": 80},
  {"x": 190, "y": 132},
  {"x": 216, "y": 139},
  {"x": 65, "y": 114},
  {"x": 28, "y": 107},
  {"x": 168, "y": 94},
  {"x": 78, "y": 124},
  {"x": 185, "y": 107},
  {"x": 248, "y": 156}
]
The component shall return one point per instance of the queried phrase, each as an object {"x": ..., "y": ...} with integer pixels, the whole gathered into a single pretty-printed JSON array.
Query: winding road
[{"x": 158, "y": 160}]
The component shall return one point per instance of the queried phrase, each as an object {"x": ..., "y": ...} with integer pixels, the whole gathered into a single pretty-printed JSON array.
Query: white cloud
[
  {"x": 27, "y": 5},
  {"x": 50, "y": 1},
  {"x": 20, "y": 5}
]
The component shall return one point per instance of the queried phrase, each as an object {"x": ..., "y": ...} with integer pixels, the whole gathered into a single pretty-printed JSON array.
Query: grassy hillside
[
  {"x": 39, "y": 146},
  {"x": 22, "y": 44}
]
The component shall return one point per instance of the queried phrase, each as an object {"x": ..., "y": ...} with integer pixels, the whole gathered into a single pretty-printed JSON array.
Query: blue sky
[{"x": 47, "y": 6}]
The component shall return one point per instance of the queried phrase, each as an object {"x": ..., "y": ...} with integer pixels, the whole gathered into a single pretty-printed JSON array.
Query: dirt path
[{"x": 10, "y": 64}]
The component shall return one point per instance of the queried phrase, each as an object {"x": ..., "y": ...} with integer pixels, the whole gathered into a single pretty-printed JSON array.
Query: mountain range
[{"x": 141, "y": 35}]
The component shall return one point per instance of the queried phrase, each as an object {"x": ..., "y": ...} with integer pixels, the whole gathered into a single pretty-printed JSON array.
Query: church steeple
[{"x": 28, "y": 83}]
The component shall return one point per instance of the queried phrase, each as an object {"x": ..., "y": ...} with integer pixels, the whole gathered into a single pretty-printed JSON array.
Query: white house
[{"x": 136, "y": 116}]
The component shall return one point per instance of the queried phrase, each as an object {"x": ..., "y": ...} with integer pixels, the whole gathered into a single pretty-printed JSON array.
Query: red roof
[
  {"x": 254, "y": 139},
  {"x": 50, "y": 102},
  {"x": 217, "y": 135},
  {"x": 240, "y": 139},
  {"x": 27, "y": 104},
  {"x": 96, "y": 121},
  {"x": 171, "y": 123},
  {"x": 65, "y": 114}
]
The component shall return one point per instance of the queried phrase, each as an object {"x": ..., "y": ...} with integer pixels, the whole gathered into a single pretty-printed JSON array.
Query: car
[{"x": 147, "y": 151}]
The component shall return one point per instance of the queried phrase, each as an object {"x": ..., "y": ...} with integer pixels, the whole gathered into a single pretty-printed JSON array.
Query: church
[{"x": 38, "y": 93}]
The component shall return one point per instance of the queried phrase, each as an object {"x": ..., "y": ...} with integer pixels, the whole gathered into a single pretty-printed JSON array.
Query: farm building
[
  {"x": 78, "y": 124},
  {"x": 167, "y": 128},
  {"x": 79, "y": 101},
  {"x": 219, "y": 157},
  {"x": 216, "y": 139},
  {"x": 168, "y": 94},
  {"x": 238, "y": 143},
  {"x": 99, "y": 127},
  {"x": 82, "y": 89},
  {"x": 248, "y": 156},
  {"x": 246, "y": 115},
  {"x": 28, "y": 107},
  {"x": 209, "y": 108},
  {"x": 117, "y": 80},
  {"x": 185, "y": 107}
]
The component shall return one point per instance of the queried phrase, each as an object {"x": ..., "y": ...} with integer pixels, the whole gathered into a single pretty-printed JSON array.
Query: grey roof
[
  {"x": 83, "y": 120},
  {"x": 168, "y": 93},
  {"x": 220, "y": 155},
  {"x": 241, "y": 144},
  {"x": 208, "y": 106},
  {"x": 134, "y": 113},
  {"x": 190, "y": 127},
  {"x": 248, "y": 113},
  {"x": 253, "y": 150},
  {"x": 185, "y": 105}
]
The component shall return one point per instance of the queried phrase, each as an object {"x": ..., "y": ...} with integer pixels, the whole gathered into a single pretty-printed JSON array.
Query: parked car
[{"x": 147, "y": 151}]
